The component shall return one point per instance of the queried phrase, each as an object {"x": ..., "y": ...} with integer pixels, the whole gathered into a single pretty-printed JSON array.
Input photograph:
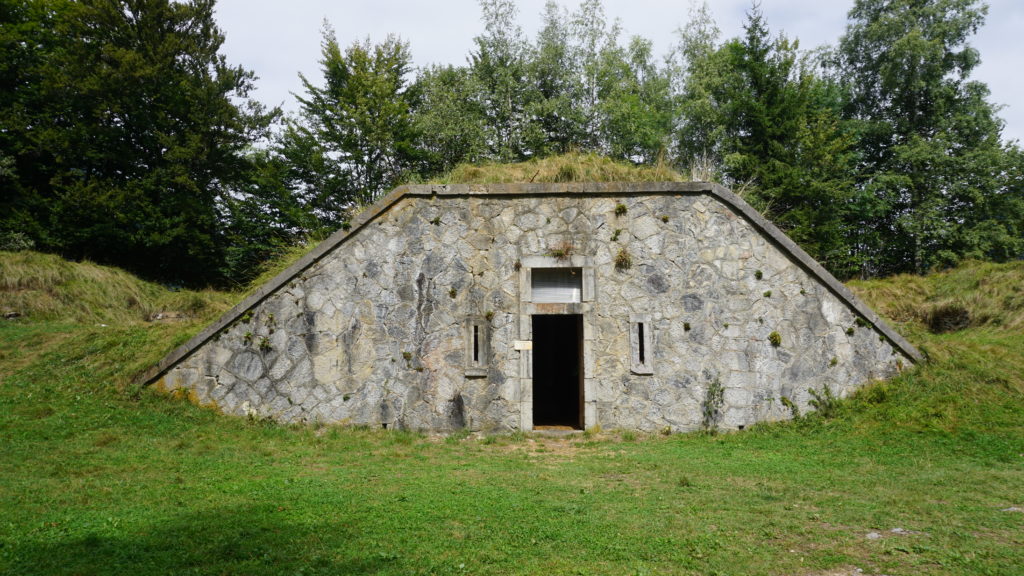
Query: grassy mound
[
  {"x": 976, "y": 294},
  {"x": 572, "y": 167},
  {"x": 969, "y": 322},
  {"x": 923, "y": 474},
  {"x": 47, "y": 287}
]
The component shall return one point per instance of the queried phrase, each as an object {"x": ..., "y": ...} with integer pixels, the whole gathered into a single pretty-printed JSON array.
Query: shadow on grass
[{"x": 247, "y": 541}]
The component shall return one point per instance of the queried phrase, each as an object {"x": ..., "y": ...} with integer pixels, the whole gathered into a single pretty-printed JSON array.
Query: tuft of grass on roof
[
  {"x": 571, "y": 167},
  {"x": 280, "y": 262}
]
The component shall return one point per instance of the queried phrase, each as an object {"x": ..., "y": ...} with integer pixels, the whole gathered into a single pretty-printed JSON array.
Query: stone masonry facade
[{"x": 416, "y": 318}]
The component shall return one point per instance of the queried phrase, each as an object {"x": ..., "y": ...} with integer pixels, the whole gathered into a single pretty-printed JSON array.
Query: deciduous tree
[
  {"x": 929, "y": 138},
  {"x": 354, "y": 136}
]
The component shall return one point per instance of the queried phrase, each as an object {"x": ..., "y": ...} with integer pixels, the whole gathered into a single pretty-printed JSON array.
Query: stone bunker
[{"x": 496, "y": 307}]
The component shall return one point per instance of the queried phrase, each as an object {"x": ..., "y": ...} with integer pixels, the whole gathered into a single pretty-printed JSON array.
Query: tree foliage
[
  {"x": 127, "y": 137},
  {"x": 929, "y": 138},
  {"x": 354, "y": 139},
  {"x": 124, "y": 131}
]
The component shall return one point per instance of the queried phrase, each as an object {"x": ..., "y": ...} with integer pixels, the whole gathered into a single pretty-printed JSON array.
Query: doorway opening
[{"x": 558, "y": 371}]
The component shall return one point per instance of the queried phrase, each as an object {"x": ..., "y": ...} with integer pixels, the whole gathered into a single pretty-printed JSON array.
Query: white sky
[{"x": 277, "y": 40}]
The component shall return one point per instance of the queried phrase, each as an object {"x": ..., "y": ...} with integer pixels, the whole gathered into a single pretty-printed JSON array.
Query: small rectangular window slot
[
  {"x": 476, "y": 330},
  {"x": 640, "y": 341},
  {"x": 641, "y": 345}
]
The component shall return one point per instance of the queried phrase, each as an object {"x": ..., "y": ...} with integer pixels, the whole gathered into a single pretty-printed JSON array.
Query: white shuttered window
[{"x": 556, "y": 284}]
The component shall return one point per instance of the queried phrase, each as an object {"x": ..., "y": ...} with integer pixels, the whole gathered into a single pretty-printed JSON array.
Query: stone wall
[{"x": 374, "y": 333}]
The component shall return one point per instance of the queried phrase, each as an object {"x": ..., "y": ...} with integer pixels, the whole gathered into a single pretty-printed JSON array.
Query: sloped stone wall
[{"x": 373, "y": 334}]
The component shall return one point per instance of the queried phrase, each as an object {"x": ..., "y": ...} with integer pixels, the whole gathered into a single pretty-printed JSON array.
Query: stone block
[{"x": 247, "y": 365}]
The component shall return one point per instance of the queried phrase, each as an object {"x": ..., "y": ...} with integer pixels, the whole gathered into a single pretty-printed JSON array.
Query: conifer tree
[{"x": 126, "y": 128}]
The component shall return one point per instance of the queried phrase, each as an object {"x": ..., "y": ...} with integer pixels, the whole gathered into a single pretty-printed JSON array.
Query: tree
[
  {"x": 763, "y": 100},
  {"x": 448, "y": 118},
  {"x": 263, "y": 216},
  {"x": 929, "y": 139},
  {"x": 556, "y": 111},
  {"x": 26, "y": 38},
  {"x": 697, "y": 70},
  {"x": 354, "y": 136},
  {"x": 773, "y": 131},
  {"x": 593, "y": 41},
  {"x": 126, "y": 132},
  {"x": 499, "y": 65},
  {"x": 635, "y": 104}
]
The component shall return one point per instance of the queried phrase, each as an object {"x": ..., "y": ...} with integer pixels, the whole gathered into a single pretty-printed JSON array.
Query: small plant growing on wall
[
  {"x": 791, "y": 406},
  {"x": 620, "y": 209},
  {"x": 714, "y": 398},
  {"x": 490, "y": 315},
  {"x": 758, "y": 274},
  {"x": 436, "y": 220},
  {"x": 623, "y": 261},
  {"x": 767, "y": 293},
  {"x": 452, "y": 292},
  {"x": 850, "y": 331},
  {"x": 265, "y": 344},
  {"x": 775, "y": 338},
  {"x": 664, "y": 218},
  {"x": 562, "y": 251},
  {"x": 247, "y": 338},
  {"x": 615, "y": 234}
]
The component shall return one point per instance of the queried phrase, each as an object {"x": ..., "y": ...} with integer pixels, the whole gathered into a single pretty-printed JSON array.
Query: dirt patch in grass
[{"x": 845, "y": 571}]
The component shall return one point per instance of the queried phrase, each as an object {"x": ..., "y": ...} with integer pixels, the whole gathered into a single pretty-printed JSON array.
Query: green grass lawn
[{"x": 97, "y": 477}]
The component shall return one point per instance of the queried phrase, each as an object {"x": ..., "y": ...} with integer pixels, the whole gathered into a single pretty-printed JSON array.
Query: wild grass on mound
[
  {"x": 572, "y": 167},
  {"x": 282, "y": 261},
  {"x": 47, "y": 287},
  {"x": 969, "y": 322},
  {"x": 975, "y": 294}
]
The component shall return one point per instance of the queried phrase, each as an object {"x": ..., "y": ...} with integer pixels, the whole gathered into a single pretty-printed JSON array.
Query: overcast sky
[{"x": 277, "y": 40}]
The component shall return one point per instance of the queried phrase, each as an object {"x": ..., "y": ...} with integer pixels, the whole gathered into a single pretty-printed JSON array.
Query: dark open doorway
[{"x": 558, "y": 370}]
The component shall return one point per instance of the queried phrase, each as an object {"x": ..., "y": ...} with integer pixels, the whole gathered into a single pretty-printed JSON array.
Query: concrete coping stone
[{"x": 385, "y": 203}]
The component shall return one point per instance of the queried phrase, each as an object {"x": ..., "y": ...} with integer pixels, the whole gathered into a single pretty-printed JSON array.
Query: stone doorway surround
[{"x": 585, "y": 309}]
